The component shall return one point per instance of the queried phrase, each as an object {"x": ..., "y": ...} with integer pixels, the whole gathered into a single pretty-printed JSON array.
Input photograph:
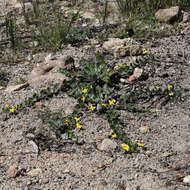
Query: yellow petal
[
  {"x": 144, "y": 51},
  {"x": 170, "y": 87},
  {"x": 78, "y": 125},
  {"x": 77, "y": 119},
  {"x": 114, "y": 135},
  {"x": 83, "y": 98},
  {"x": 171, "y": 94},
  {"x": 85, "y": 91},
  {"x": 139, "y": 144},
  {"x": 12, "y": 110},
  {"x": 111, "y": 102},
  {"x": 125, "y": 146},
  {"x": 92, "y": 107}
]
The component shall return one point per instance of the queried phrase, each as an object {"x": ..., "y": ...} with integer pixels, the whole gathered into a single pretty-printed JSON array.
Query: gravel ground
[{"x": 161, "y": 164}]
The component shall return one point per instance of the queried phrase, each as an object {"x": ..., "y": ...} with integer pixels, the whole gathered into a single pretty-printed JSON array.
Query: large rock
[
  {"x": 107, "y": 145},
  {"x": 169, "y": 15},
  {"x": 47, "y": 74},
  {"x": 122, "y": 47}
]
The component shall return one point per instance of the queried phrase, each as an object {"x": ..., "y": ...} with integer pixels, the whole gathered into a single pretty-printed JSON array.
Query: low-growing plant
[
  {"x": 12, "y": 31},
  {"x": 96, "y": 86}
]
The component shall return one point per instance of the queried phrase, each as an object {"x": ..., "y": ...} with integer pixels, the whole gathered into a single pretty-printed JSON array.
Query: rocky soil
[{"x": 97, "y": 162}]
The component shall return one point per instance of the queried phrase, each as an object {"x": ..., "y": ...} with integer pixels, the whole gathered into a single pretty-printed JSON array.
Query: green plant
[
  {"x": 11, "y": 30},
  {"x": 96, "y": 86},
  {"x": 21, "y": 81}
]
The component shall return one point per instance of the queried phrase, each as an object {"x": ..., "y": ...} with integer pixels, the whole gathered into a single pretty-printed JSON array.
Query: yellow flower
[
  {"x": 157, "y": 87},
  {"x": 12, "y": 110},
  {"x": 78, "y": 125},
  {"x": 104, "y": 105},
  {"x": 114, "y": 135},
  {"x": 66, "y": 122},
  {"x": 92, "y": 107},
  {"x": 170, "y": 87},
  {"x": 85, "y": 91},
  {"x": 77, "y": 119},
  {"x": 111, "y": 102},
  {"x": 140, "y": 144},
  {"x": 144, "y": 51},
  {"x": 83, "y": 98},
  {"x": 125, "y": 146},
  {"x": 171, "y": 94},
  {"x": 121, "y": 65}
]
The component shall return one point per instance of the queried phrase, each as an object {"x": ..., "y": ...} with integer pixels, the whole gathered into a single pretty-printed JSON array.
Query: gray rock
[
  {"x": 12, "y": 171},
  {"x": 137, "y": 72},
  {"x": 186, "y": 17},
  {"x": 47, "y": 74},
  {"x": 12, "y": 88},
  {"x": 35, "y": 172},
  {"x": 107, "y": 145},
  {"x": 122, "y": 47},
  {"x": 169, "y": 15},
  {"x": 186, "y": 179}
]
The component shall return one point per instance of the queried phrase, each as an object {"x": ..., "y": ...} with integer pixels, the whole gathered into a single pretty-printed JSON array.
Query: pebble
[
  {"x": 144, "y": 129},
  {"x": 186, "y": 179},
  {"x": 137, "y": 72},
  {"x": 12, "y": 171},
  {"x": 35, "y": 172},
  {"x": 67, "y": 171},
  {"x": 28, "y": 182},
  {"x": 101, "y": 165},
  {"x": 45, "y": 180}
]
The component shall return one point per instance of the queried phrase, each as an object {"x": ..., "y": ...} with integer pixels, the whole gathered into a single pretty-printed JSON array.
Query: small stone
[
  {"x": 28, "y": 182},
  {"x": 39, "y": 104},
  {"x": 35, "y": 172},
  {"x": 12, "y": 171},
  {"x": 137, "y": 73},
  {"x": 132, "y": 78},
  {"x": 186, "y": 179},
  {"x": 2, "y": 159},
  {"x": 34, "y": 146},
  {"x": 180, "y": 176},
  {"x": 67, "y": 171},
  {"x": 30, "y": 135},
  {"x": 107, "y": 145},
  {"x": 45, "y": 180},
  {"x": 144, "y": 128},
  {"x": 166, "y": 154},
  {"x": 122, "y": 80},
  {"x": 148, "y": 153},
  {"x": 27, "y": 63},
  {"x": 101, "y": 165}
]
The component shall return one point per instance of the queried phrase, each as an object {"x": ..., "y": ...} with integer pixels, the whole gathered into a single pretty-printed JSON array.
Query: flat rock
[
  {"x": 35, "y": 172},
  {"x": 12, "y": 171},
  {"x": 48, "y": 73},
  {"x": 122, "y": 47},
  {"x": 186, "y": 179},
  {"x": 169, "y": 15},
  {"x": 12, "y": 88},
  {"x": 107, "y": 145}
]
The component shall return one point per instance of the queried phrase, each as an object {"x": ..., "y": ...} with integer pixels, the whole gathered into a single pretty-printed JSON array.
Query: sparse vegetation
[{"x": 52, "y": 28}]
